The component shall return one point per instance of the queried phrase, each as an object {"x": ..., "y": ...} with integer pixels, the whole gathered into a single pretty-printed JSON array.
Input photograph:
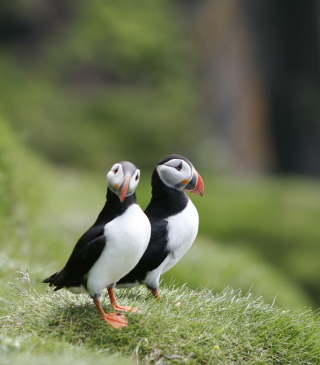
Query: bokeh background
[{"x": 232, "y": 85}]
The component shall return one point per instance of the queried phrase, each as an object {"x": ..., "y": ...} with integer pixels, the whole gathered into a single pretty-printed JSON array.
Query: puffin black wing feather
[{"x": 84, "y": 255}]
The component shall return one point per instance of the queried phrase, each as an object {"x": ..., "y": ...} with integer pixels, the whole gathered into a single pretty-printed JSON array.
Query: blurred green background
[{"x": 233, "y": 86}]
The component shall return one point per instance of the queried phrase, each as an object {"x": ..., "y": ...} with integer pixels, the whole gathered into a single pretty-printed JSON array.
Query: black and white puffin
[
  {"x": 111, "y": 247},
  {"x": 174, "y": 221}
]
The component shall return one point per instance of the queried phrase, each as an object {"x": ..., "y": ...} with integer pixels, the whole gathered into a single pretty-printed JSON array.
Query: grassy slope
[{"x": 206, "y": 328}]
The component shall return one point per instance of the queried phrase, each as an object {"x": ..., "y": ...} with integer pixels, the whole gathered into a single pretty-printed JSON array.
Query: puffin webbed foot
[{"x": 115, "y": 320}]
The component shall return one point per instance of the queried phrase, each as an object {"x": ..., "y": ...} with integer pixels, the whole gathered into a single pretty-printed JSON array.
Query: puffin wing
[
  {"x": 156, "y": 251},
  {"x": 84, "y": 255}
]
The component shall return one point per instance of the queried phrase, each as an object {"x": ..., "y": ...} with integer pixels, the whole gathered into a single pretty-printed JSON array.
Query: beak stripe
[
  {"x": 124, "y": 188},
  {"x": 196, "y": 184}
]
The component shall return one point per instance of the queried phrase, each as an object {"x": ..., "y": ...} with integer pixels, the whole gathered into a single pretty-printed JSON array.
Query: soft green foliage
[
  {"x": 111, "y": 80},
  {"x": 279, "y": 218},
  {"x": 216, "y": 266},
  {"x": 204, "y": 327},
  {"x": 22, "y": 188}
]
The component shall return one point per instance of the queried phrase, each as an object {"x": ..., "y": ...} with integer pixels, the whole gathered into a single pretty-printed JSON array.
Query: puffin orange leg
[
  {"x": 115, "y": 320},
  {"x": 158, "y": 297},
  {"x": 155, "y": 294},
  {"x": 118, "y": 307}
]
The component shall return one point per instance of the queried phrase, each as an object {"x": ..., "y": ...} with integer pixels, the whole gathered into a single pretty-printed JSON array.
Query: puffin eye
[
  {"x": 137, "y": 177},
  {"x": 179, "y": 167},
  {"x": 116, "y": 170}
]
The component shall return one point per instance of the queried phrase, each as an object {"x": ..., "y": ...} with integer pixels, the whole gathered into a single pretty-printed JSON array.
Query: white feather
[{"x": 127, "y": 238}]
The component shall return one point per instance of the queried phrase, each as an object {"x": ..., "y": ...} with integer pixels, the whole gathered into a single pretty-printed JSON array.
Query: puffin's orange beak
[
  {"x": 124, "y": 188},
  {"x": 196, "y": 184}
]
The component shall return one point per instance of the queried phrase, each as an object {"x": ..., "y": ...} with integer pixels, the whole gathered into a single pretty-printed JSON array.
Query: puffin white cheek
[
  {"x": 114, "y": 179},
  {"x": 169, "y": 175},
  {"x": 133, "y": 184}
]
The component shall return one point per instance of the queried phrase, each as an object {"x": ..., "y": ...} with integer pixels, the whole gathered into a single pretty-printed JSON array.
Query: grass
[{"x": 207, "y": 328}]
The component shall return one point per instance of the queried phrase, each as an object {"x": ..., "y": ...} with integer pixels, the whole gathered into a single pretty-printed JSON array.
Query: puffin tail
[{"x": 53, "y": 280}]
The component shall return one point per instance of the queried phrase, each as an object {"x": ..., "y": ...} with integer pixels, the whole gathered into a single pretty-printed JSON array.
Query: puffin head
[
  {"x": 123, "y": 178},
  {"x": 178, "y": 172}
]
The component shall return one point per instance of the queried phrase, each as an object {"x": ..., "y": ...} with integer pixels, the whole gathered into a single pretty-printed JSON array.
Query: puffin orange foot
[
  {"x": 125, "y": 309},
  {"x": 116, "y": 320}
]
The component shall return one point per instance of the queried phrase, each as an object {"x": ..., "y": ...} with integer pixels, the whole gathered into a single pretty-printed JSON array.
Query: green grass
[{"x": 207, "y": 328}]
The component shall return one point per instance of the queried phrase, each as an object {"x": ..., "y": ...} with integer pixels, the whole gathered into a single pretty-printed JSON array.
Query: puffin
[
  {"x": 174, "y": 221},
  {"x": 112, "y": 247}
]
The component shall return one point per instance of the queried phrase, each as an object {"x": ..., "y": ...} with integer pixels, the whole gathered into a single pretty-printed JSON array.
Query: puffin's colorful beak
[
  {"x": 196, "y": 184},
  {"x": 124, "y": 188}
]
